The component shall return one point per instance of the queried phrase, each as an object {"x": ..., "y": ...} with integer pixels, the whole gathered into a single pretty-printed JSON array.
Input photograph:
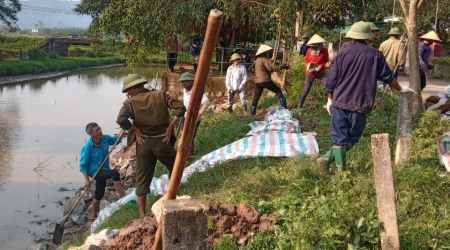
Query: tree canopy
[{"x": 8, "y": 13}]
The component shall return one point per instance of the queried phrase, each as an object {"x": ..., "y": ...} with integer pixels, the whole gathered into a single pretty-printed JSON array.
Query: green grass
[
  {"x": 17, "y": 43},
  {"x": 14, "y": 68},
  {"x": 80, "y": 47},
  {"x": 315, "y": 212}
]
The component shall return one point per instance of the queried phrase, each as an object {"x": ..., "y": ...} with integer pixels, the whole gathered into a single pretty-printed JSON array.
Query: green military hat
[
  {"x": 395, "y": 31},
  {"x": 235, "y": 56},
  {"x": 373, "y": 27},
  {"x": 360, "y": 31},
  {"x": 132, "y": 80},
  {"x": 186, "y": 76}
]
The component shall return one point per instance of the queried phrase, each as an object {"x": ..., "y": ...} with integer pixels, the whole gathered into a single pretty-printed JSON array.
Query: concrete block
[{"x": 185, "y": 225}]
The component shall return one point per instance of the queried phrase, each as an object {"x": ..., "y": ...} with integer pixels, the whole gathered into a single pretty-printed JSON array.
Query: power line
[{"x": 60, "y": 11}]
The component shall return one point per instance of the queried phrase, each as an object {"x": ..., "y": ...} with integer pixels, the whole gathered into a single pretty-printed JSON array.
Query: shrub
[
  {"x": 441, "y": 67},
  {"x": 37, "y": 54},
  {"x": 53, "y": 55}
]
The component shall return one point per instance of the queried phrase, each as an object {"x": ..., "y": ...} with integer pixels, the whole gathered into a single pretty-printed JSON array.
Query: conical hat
[
  {"x": 431, "y": 36},
  {"x": 262, "y": 49},
  {"x": 315, "y": 39}
]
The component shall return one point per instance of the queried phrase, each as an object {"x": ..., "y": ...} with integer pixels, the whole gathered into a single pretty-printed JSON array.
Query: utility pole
[{"x": 436, "y": 20}]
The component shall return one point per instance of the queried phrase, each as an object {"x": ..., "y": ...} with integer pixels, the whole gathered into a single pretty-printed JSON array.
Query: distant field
[{"x": 17, "y": 43}]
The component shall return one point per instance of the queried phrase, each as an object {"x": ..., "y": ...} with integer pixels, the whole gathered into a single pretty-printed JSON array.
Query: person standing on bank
[
  {"x": 195, "y": 51},
  {"x": 392, "y": 50},
  {"x": 92, "y": 155},
  {"x": 151, "y": 130},
  {"x": 263, "y": 68},
  {"x": 304, "y": 46},
  {"x": 187, "y": 80},
  {"x": 172, "y": 51},
  {"x": 425, "y": 42},
  {"x": 235, "y": 82},
  {"x": 351, "y": 88},
  {"x": 316, "y": 61}
]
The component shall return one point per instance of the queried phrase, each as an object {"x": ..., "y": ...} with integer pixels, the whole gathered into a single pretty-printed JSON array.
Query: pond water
[{"x": 41, "y": 134}]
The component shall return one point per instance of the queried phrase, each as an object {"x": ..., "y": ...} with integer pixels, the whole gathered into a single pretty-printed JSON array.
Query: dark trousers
[
  {"x": 147, "y": 155},
  {"x": 259, "y": 87},
  {"x": 346, "y": 126},
  {"x": 196, "y": 125},
  {"x": 423, "y": 79},
  {"x": 172, "y": 60},
  {"x": 309, "y": 80},
  {"x": 100, "y": 181}
]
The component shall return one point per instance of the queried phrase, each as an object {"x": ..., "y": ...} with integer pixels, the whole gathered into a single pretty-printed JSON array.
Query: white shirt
[
  {"x": 236, "y": 77},
  {"x": 187, "y": 98}
]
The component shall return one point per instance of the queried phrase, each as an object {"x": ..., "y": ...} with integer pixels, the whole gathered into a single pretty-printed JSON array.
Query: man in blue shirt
[
  {"x": 195, "y": 51},
  {"x": 351, "y": 88},
  {"x": 304, "y": 47},
  {"x": 92, "y": 155},
  {"x": 425, "y": 42}
]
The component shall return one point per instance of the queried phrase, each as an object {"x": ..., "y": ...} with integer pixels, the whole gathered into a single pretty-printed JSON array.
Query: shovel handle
[{"x": 122, "y": 132}]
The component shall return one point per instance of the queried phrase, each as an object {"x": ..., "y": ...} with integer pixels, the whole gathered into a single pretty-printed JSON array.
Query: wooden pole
[
  {"x": 404, "y": 128},
  {"x": 215, "y": 20},
  {"x": 384, "y": 186}
]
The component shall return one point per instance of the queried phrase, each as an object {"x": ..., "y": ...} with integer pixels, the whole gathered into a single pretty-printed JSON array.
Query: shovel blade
[{"x": 58, "y": 234}]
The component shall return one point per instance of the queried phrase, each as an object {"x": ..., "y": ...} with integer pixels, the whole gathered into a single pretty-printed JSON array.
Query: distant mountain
[{"x": 52, "y": 13}]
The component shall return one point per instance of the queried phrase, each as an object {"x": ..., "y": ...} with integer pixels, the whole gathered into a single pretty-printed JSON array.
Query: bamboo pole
[{"x": 215, "y": 20}]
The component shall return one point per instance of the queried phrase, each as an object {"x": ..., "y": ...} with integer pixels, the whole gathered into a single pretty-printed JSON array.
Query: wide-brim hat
[
  {"x": 315, "y": 40},
  {"x": 359, "y": 31},
  {"x": 132, "y": 80},
  {"x": 395, "y": 31},
  {"x": 373, "y": 27},
  {"x": 263, "y": 49},
  {"x": 431, "y": 36},
  {"x": 186, "y": 76},
  {"x": 235, "y": 56}
]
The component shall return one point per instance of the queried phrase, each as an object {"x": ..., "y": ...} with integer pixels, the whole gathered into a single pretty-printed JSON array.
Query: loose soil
[{"x": 243, "y": 222}]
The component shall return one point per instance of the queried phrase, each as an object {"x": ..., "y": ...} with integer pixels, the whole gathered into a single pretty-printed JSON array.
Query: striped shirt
[{"x": 424, "y": 55}]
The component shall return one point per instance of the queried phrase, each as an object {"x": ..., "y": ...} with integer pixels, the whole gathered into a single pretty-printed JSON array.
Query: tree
[
  {"x": 8, "y": 14},
  {"x": 410, "y": 10},
  {"x": 148, "y": 23}
]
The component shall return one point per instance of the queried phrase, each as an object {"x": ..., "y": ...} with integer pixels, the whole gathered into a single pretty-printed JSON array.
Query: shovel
[{"x": 59, "y": 228}]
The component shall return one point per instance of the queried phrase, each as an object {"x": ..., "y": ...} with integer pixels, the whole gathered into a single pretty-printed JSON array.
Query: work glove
[
  {"x": 330, "y": 101},
  {"x": 318, "y": 68},
  {"x": 407, "y": 89}
]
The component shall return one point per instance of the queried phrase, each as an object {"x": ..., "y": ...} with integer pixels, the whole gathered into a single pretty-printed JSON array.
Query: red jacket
[{"x": 321, "y": 60}]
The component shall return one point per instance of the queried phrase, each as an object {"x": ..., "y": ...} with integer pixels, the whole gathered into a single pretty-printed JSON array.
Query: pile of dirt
[
  {"x": 136, "y": 235},
  {"x": 243, "y": 222}
]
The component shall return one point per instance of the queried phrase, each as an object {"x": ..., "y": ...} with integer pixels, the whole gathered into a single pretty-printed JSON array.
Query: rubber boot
[
  {"x": 230, "y": 109},
  {"x": 340, "y": 157},
  {"x": 326, "y": 161},
  {"x": 301, "y": 100},
  {"x": 283, "y": 102},
  {"x": 252, "y": 110},
  {"x": 195, "y": 67}
]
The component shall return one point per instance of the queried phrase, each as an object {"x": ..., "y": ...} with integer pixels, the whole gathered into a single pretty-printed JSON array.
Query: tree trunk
[{"x": 414, "y": 81}]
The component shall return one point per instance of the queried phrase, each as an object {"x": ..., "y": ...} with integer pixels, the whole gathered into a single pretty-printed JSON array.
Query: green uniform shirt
[
  {"x": 392, "y": 51},
  {"x": 149, "y": 110}
]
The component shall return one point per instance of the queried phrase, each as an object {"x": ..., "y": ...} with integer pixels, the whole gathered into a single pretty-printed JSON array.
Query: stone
[
  {"x": 109, "y": 183},
  {"x": 63, "y": 189},
  {"x": 70, "y": 203},
  {"x": 128, "y": 184},
  {"x": 42, "y": 246},
  {"x": 93, "y": 241},
  {"x": 228, "y": 209},
  {"x": 112, "y": 189},
  {"x": 433, "y": 99},
  {"x": 185, "y": 225},
  {"x": 43, "y": 238},
  {"x": 129, "y": 173}
]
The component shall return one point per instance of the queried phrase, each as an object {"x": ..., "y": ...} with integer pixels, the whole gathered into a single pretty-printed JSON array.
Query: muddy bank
[{"x": 22, "y": 78}]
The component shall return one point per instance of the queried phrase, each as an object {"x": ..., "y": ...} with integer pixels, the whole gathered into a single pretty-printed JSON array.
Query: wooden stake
[
  {"x": 404, "y": 128},
  {"x": 384, "y": 185},
  {"x": 215, "y": 20}
]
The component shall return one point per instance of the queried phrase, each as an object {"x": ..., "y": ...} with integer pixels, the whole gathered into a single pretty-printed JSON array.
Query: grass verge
[
  {"x": 24, "y": 43},
  {"x": 14, "y": 68},
  {"x": 315, "y": 212}
]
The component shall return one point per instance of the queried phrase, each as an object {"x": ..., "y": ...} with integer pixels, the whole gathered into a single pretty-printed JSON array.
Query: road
[{"x": 433, "y": 87}]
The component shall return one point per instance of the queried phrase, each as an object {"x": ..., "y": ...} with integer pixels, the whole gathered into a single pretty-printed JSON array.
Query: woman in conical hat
[
  {"x": 316, "y": 60},
  {"x": 425, "y": 42},
  {"x": 263, "y": 68}
]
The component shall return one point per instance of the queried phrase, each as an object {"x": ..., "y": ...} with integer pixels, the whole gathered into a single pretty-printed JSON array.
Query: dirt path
[{"x": 433, "y": 87}]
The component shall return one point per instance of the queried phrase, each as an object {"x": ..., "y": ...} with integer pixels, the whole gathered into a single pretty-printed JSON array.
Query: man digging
[
  {"x": 351, "y": 88},
  {"x": 92, "y": 154},
  {"x": 151, "y": 130}
]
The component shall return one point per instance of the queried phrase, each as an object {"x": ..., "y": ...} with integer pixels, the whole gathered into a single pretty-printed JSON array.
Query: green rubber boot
[
  {"x": 340, "y": 157},
  {"x": 326, "y": 161}
]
